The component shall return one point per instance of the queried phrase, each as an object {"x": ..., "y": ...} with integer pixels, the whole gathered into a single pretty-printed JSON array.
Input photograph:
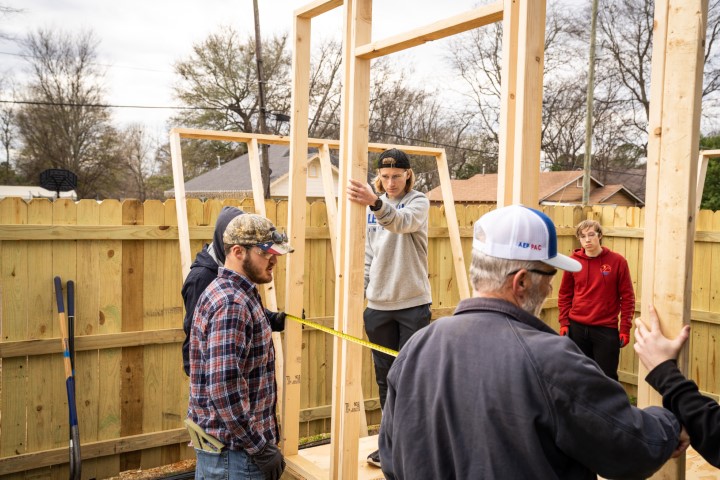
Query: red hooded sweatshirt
[{"x": 599, "y": 292}]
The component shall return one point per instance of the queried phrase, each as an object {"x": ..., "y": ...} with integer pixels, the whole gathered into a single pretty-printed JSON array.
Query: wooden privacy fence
[{"x": 131, "y": 390}]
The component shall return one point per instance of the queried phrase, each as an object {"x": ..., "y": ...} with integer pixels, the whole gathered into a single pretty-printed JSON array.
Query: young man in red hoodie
[{"x": 591, "y": 299}]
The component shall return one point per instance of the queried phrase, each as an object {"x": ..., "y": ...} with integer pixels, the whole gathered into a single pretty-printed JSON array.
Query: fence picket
[{"x": 134, "y": 284}]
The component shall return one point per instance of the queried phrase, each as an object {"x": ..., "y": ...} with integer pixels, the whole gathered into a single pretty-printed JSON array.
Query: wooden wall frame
[
  {"x": 288, "y": 390},
  {"x": 672, "y": 150},
  {"x": 525, "y": 38}
]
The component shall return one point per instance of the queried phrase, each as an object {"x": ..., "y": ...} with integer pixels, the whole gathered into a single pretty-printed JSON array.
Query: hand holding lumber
[
  {"x": 652, "y": 346},
  {"x": 360, "y": 192}
]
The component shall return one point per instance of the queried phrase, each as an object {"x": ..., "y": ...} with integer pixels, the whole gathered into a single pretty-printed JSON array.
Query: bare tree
[
  {"x": 6, "y": 13},
  {"x": 477, "y": 57},
  {"x": 139, "y": 151},
  {"x": 325, "y": 90},
  {"x": 219, "y": 73},
  {"x": 8, "y": 131},
  {"x": 563, "y": 125},
  {"x": 64, "y": 122},
  {"x": 626, "y": 29},
  {"x": 219, "y": 79}
]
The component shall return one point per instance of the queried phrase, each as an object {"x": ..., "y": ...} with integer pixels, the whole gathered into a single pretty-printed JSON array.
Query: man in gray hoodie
[{"x": 396, "y": 266}]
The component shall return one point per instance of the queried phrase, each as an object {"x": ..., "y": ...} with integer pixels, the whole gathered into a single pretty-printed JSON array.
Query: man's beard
[
  {"x": 254, "y": 273},
  {"x": 534, "y": 302}
]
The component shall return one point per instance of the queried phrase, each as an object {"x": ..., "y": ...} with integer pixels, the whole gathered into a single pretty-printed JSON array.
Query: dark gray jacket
[{"x": 493, "y": 392}]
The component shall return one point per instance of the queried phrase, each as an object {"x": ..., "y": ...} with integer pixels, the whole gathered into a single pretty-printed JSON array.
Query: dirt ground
[{"x": 158, "y": 472}]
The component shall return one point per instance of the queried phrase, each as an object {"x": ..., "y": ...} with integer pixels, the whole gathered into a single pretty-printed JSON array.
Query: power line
[
  {"x": 105, "y": 105},
  {"x": 108, "y": 65},
  {"x": 328, "y": 122}
]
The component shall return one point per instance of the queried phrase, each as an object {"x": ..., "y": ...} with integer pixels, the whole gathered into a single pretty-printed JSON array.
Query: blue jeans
[{"x": 226, "y": 465}]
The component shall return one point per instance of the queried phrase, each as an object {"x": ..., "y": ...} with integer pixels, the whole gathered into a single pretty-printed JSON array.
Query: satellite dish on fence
[{"x": 58, "y": 180}]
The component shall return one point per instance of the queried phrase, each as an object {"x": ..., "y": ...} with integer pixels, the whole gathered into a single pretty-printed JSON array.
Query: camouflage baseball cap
[{"x": 252, "y": 229}]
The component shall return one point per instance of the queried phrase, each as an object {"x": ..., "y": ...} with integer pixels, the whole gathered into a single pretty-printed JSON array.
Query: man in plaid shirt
[{"x": 232, "y": 361}]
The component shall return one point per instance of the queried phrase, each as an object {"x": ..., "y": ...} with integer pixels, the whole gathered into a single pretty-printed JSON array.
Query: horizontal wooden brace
[
  {"x": 59, "y": 456},
  {"x": 462, "y": 22}
]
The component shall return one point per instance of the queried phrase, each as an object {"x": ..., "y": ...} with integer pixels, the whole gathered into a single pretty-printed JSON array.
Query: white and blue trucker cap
[{"x": 516, "y": 232}]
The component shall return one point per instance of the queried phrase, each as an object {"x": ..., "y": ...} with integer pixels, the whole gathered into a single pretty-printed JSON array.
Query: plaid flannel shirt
[{"x": 232, "y": 365}]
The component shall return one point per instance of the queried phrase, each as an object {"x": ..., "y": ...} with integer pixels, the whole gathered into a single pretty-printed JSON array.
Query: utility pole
[
  {"x": 587, "y": 163},
  {"x": 265, "y": 165}
]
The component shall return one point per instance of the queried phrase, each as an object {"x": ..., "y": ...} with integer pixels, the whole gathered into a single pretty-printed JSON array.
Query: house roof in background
[
  {"x": 632, "y": 179},
  {"x": 234, "y": 176},
  {"x": 483, "y": 188}
]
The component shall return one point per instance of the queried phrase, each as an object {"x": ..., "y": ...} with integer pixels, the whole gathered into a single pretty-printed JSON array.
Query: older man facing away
[{"x": 493, "y": 392}]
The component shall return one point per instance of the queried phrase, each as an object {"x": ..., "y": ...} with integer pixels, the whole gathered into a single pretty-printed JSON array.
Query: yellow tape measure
[{"x": 344, "y": 336}]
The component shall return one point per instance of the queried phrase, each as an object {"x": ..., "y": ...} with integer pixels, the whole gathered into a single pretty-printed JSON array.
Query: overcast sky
[{"x": 141, "y": 39}]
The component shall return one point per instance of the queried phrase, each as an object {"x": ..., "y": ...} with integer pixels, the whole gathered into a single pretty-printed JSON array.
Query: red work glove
[
  {"x": 624, "y": 339},
  {"x": 563, "y": 330}
]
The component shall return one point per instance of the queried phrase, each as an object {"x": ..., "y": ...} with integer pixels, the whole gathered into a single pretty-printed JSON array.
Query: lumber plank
[
  {"x": 90, "y": 450},
  {"x": 87, "y": 376},
  {"x": 243, "y": 137},
  {"x": 713, "y": 382},
  {"x": 133, "y": 369},
  {"x": 329, "y": 189},
  {"x": 316, "y": 8},
  {"x": 105, "y": 341},
  {"x": 353, "y": 154},
  {"x": 456, "y": 252},
  {"x": 530, "y": 61},
  {"x": 14, "y": 274},
  {"x": 508, "y": 103},
  {"x": 109, "y": 322},
  {"x": 295, "y": 263},
  {"x": 63, "y": 264},
  {"x": 462, "y": 22},
  {"x": 678, "y": 43},
  {"x": 153, "y": 286},
  {"x": 41, "y": 376},
  {"x": 175, "y": 384}
]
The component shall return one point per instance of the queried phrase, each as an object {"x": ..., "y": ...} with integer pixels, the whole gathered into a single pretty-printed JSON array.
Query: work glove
[
  {"x": 277, "y": 321},
  {"x": 563, "y": 330},
  {"x": 624, "y": 339},
  {"x": 270, "y": 461}
]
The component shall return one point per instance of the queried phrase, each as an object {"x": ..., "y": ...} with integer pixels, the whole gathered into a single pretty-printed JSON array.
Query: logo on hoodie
[
  {"x": 372, "y": 220},
  {"x": 605, "y": 269}
]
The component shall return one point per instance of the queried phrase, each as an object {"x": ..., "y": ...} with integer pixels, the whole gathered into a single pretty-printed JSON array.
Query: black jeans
[
  {"x": 392, "y": 329},
  {"x": 602, "y": 344}
]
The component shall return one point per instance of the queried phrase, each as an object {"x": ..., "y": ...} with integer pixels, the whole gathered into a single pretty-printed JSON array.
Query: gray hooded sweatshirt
[{"x": 396, "y": 264}]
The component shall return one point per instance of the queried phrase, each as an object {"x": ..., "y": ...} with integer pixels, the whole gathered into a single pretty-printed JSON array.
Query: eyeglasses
[
  {"x": 260, "y": 251},
  {"x": 547, "y": 273},
  {"x": 588, "y": 235}
]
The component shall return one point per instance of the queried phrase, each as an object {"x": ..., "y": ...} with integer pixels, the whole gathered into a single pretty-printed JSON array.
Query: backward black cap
[{"x": 393, "y": 158}]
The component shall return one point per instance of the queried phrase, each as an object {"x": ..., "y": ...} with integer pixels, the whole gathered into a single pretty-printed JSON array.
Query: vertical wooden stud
[
  {"x": 678, "y": 48},
  {"x": 295, "y": 266}
]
